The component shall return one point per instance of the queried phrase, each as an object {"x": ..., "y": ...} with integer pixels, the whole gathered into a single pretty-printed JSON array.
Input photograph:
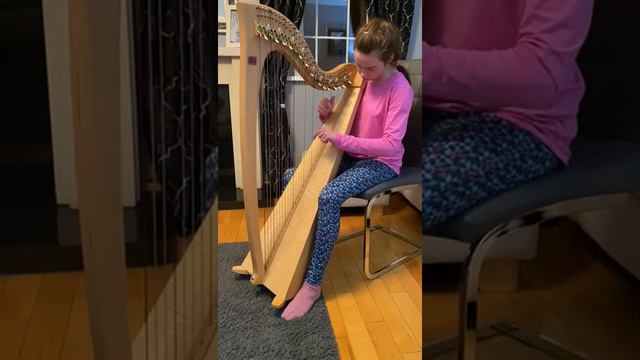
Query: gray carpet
[{"x": 250, "y": 329}]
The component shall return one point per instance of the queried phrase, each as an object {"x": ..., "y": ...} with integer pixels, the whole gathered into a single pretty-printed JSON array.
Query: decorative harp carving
[{"x": 279, "y": 252}]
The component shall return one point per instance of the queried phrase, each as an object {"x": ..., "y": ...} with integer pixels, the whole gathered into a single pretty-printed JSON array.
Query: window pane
[
  {"x": 312, "y": 45},
  {"x": 331, "y": 53},
  {"x": 309, "y": 18},
  {"x": 332, "y": 18}
]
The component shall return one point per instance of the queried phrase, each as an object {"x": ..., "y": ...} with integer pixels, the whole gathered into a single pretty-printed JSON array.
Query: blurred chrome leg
[
  {"x": 470, "y": 276},
  {"x": 367, "y": 237},
  {"x": 367, "y": 242},
  {"x": 534, "y": 342},
  {"x": 469, "y": 284}
]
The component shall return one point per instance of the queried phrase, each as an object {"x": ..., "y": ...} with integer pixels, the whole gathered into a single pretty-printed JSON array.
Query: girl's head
[{"x": 378, "y": 48}]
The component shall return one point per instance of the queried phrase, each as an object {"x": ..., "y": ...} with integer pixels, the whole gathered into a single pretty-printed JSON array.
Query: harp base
[
  {"x": 278, "y": 302},
  {"x": 238, "y": 269},
  {"x": 243, "y": 270}
]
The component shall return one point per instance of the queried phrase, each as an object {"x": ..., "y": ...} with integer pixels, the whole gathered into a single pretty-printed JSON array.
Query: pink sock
[{"x": 302, "y": 302}]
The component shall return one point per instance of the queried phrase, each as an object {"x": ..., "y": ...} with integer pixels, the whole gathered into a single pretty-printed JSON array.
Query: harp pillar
[{"x": 229, "y": 74}]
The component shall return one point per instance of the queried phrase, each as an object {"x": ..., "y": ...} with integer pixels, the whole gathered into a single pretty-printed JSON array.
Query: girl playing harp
[{"x": 372, "y": 150}]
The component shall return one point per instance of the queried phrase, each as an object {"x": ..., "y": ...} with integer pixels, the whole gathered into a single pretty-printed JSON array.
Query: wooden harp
[{"x": 279, "y": 252}]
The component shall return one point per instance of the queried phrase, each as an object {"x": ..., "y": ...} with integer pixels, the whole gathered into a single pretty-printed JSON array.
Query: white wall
[
  {"x": 617, "y": 232},
  {"x": 55, "y": 14},
  {"x": 220, "y": 7},
  {"x": 56, "y": 32}
]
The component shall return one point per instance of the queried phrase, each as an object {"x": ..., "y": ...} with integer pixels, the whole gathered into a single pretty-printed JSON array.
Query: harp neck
[{"x": 265, "y": 24}]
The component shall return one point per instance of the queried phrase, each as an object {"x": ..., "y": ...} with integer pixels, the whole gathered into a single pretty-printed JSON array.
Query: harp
[{"x": 279, "y": 252}]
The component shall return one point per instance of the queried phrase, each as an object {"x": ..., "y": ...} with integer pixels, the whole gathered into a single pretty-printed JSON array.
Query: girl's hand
[
  {"x": 325, "y": 107},
  {"x": 326, "y": 135}
]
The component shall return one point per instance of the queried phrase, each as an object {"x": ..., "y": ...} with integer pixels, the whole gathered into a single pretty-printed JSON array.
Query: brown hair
[{"x": 383, "y": 36}]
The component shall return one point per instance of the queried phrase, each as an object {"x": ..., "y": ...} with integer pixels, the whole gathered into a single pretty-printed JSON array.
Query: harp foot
[
  {"x": 278, "y": 302},
  {"x": 238, "y": 269},
  {"x": 255, "y": 281}
]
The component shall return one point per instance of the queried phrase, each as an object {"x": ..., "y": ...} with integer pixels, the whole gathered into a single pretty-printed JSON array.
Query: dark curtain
[
  {"x": 274, "y": 126},
  {"x": 175, "y": 84},
  {"x": 398, "y": 12}
]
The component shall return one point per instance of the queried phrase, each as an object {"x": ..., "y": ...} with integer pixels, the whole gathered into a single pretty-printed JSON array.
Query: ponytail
[{"x": 404, "y": 72}]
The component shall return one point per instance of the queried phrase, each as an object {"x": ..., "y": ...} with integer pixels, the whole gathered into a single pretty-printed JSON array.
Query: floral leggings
[
  {"x": 471, "y": 158},
  {"x": 354, "y": 176}
]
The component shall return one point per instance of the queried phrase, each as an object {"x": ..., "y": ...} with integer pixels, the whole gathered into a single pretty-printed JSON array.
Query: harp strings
[{"x": 273, "y": 127}]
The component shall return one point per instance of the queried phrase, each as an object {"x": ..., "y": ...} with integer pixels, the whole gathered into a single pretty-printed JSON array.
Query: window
[{"x": 327, "y": 29}]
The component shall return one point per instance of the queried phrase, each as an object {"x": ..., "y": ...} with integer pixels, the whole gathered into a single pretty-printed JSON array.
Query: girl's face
[{"x": 370, "y": 67}]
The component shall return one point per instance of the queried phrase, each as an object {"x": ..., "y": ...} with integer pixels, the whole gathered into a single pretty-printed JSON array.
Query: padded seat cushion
[{"x": 408, "y": 176}]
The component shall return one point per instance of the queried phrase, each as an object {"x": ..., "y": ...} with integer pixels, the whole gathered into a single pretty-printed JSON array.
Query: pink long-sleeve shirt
[
  {"x": 380, "y": 122},
  {"x": 511, "y": 58}
]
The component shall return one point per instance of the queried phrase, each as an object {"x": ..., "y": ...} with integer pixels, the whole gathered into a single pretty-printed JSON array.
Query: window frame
[{"x": 293, "y": 74}]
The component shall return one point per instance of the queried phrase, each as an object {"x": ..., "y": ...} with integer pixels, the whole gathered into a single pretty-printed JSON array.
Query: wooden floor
[
  {"x": 379, "y": 319},
  {"x": 45, "y": 316},
  {"x": 571, "y": 292}
]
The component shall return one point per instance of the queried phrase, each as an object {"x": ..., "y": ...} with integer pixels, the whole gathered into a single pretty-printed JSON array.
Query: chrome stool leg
[
  {"x": 367, "y": 237},
  {"x": 469, "y": 285}
]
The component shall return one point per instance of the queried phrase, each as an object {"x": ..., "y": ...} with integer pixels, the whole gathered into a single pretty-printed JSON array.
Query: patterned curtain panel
[
  {"x": 274, "y": 126},
  {"x": 358, "y": 14},
  {"x": 398, "y": 12},
  {"x": 173, "y": 45}
]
